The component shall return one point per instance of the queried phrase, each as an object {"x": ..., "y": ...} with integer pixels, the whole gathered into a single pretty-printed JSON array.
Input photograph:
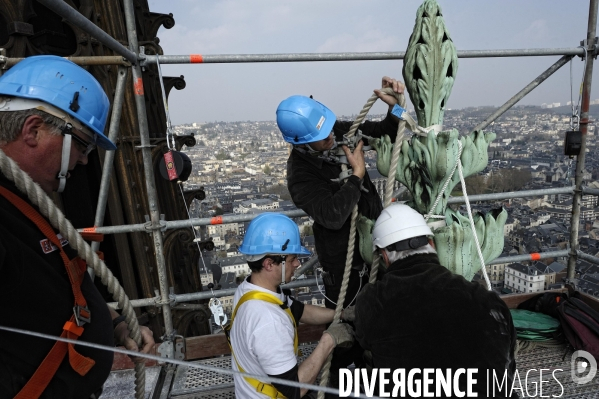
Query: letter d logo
[{"x": 579, "y": 366}]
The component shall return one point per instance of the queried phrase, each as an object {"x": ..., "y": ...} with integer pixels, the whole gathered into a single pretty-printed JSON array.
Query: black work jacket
[
  {"x": 36, "y": 295},
  {"x": 421, "y": 315},
  {"x": 330, "y": 203}
]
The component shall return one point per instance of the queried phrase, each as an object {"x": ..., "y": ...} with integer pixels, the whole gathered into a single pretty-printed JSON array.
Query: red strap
[{"x": 75, "y": 270}]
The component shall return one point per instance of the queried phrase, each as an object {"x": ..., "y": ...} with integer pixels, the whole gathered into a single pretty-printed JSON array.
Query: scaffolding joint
[
  {"x": 150, "y": 226},
  {"x": 590, "y": 50}
]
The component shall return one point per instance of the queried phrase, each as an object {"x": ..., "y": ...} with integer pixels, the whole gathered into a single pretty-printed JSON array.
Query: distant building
[{"x": 523, "y": 279}]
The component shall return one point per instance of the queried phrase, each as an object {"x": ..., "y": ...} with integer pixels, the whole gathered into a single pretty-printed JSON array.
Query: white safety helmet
[{"x": 397, "y": 223}]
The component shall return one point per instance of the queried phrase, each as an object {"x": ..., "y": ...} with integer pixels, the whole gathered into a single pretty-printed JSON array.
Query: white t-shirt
[{"x": 262, "y": 339}]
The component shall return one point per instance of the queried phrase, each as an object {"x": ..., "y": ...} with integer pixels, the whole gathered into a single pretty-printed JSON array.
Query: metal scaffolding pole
[
  {"x": 522, "y": 93},
  {"x": 372, "y": 56},
  {"x": 584, "y": 121},
  {"x": 587, "y": 257},
  {"x": 149, "y": 178},
  {"x": 113, "y": 130},
  {"x": 196, "y": 296},
  {"x": 83, "y": 61},
  {"x": 529, "y": 257},
  {"x": 61, "y": 8},
  {"x": 177, "y": 224},
  {"x": 511, "y": 194},
  {"x": 311, "y": 282}
]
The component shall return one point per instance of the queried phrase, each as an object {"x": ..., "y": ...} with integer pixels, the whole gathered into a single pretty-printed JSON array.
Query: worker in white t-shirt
[{"x": 263, "y": 333}]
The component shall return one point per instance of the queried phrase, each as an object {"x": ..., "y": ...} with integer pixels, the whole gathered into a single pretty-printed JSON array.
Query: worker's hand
[
  {"x": 397, "y": 87},
  {"x": 342, "y": 334},
  {"x": 121, "y": 336},
  {"x": 356, "y": 159},
  {"x": 349, "y": 313}
]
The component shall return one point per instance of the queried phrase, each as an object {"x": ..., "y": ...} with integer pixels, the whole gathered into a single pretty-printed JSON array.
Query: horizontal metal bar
[
  {"x": 512, "y": 194},
  {"x": 178, "y": 224},
  {"x": 591, "y": 191},
  {"x": 137, "y": 303},
  {"x": 83, "y": 61},
  {"x": 587, "y": 257},
  {"x": 306, "y": 266},
  {"x": 392, "y": 55},
  {"x": 311, "y": 282},
  {"x": 74, "y": 17},
  {"x": 529, "y": 257}
]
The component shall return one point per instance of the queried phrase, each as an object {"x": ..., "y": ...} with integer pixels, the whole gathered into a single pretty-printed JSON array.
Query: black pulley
[
  {"x": 176, "y": 165},
  {"x": 573, "y": 143}
]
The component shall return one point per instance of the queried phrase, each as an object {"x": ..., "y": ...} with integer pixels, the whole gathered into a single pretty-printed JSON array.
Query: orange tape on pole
[
  {"x": 535, "y": 256},
  {"x": 138, "y": 87},
  {"x": 216, "y": 220},
  {"x": 196, "y": 59}
]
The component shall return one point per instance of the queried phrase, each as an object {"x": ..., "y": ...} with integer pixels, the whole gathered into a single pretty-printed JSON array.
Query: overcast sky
[{"x": 239, "y": 92}]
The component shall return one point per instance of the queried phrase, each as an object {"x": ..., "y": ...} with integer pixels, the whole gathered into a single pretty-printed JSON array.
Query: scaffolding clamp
[
  {"x": 141, "y": 57},
  {"x": 149, "y": 226}
]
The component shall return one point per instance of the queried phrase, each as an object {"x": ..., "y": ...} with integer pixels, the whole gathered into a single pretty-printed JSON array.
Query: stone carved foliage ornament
[
  {"x": 430, "y": 65},
  {"x": 428, "y": 165}
]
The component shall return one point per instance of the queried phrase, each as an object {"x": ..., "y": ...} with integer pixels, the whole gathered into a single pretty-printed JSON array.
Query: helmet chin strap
[
  {"x": 64, "y": 163},
  {"x": 283, "y": 273}
]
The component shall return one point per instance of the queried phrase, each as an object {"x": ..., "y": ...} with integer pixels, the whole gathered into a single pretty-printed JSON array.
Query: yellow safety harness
[{"x": 266, "y": 389}]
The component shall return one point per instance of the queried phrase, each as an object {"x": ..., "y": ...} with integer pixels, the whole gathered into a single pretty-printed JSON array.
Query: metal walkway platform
[{"x": 195, "y": 383}]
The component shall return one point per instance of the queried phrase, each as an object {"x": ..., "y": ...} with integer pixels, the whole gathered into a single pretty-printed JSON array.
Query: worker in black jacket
[
  {"x": 52, "y": 114},
  {"x": 420, "y": 316},
  {"x": 312, "y": 168}
]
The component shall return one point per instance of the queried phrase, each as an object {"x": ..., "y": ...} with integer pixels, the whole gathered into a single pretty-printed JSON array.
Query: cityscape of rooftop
[{"x": 241, "y": 166}]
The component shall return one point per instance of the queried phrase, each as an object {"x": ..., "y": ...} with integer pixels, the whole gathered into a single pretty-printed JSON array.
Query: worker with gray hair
[{"x": 422, "y": 316}]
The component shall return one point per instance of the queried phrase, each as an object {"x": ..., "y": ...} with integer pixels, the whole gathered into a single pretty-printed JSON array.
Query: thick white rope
[
  {"x": 38, "y": 197},
  {"x": 390, "y": 182},
  {"x": 324, "y": 379},
  {"x": 442, "y": 191},
  {"x": 478, "y": 250}
]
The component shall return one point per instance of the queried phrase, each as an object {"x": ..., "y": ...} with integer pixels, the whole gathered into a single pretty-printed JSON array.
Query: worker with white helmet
[
  {"x": 52, "y": 114},
  {"x": 421, "y": 315},
  {"x": 263, "y": 330}
]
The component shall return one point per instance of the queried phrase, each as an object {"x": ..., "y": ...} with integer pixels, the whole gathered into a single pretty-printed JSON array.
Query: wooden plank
[
  {"x": 513, "y": 300},
  {"x": 215, "y": 345}
]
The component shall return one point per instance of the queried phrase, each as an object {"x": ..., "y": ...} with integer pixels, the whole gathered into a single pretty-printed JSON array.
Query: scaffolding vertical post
[
  {"x": 107, "y": 168},
  {"x": 584, "y": 121},
  {"x": 149, "y": 178}
]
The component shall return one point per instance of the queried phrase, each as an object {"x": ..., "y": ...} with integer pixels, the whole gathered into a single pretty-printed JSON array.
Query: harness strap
[
  {"x": 266, "y": 389},
  {"x": 73, "y": 327}
]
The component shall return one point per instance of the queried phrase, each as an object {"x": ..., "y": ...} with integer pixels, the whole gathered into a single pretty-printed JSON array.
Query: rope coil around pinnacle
[
  {"x": 324, "y": 379},
  {"x": 47, "y": 208}
]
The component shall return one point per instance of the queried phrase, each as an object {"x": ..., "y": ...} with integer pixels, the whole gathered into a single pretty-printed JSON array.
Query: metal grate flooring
[
  {"x": 194, "y": 383},
  {"x": 552, "y": 359}
]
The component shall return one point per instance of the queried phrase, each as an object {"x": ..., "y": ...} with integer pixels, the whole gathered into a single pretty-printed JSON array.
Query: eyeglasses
[{"x": 85, "y": 147}]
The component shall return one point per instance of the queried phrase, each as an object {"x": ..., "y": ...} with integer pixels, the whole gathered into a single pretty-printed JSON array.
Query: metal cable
[{"x": 38, "y": 197}]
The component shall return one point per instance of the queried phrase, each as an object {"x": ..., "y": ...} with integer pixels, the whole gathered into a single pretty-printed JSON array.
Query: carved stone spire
[{"x": 430, "y": 65}]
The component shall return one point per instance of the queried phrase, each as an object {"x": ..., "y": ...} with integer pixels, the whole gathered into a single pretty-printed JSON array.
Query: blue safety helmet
[
  {"x": 66, "y": 86},
  {"x": 303, "y": 120},
  {"x": 274, "y": 234}
]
